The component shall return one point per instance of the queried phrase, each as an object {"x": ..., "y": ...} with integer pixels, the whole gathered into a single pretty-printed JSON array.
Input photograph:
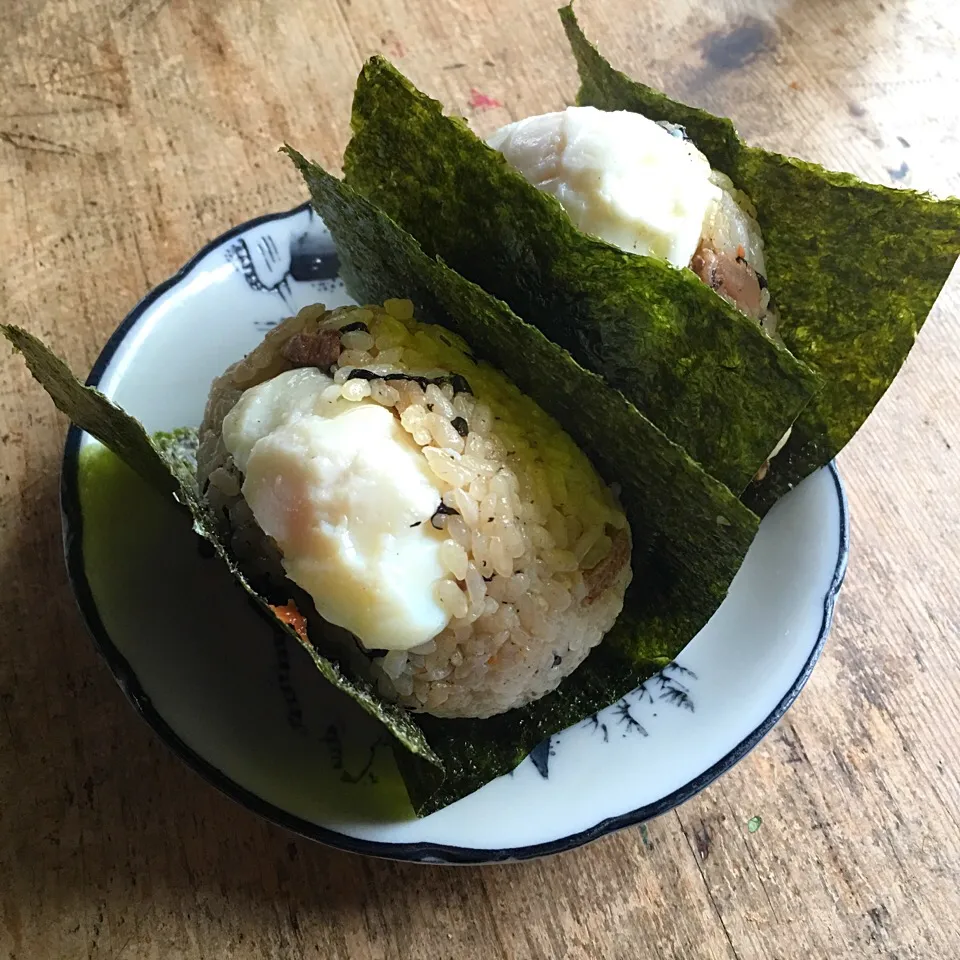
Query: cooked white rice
[{"x": 537, "y": 553}]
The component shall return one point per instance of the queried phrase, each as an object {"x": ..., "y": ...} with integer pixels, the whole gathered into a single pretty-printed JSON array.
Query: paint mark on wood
[
  {"x": 900, "y": 173},
  {"x": 393, "y": 45},
  {"x": 702, "y": 839},
  {"x": 645, "y": 836},
  {"x": 878, "y": 915},
  {"x": 795, "y": 752},
  {"x": 732, "y": 49},
  {"x": 481, "y": 101}
]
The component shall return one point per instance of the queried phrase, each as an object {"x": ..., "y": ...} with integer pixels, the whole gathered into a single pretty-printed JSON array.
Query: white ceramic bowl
[{"x": 250, "y": 714}]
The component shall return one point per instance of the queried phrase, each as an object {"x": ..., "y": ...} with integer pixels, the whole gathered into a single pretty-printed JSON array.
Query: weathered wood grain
[{"x": 133, "y": 130}]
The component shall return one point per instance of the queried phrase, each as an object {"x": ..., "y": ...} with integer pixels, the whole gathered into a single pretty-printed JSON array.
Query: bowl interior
[{"x": 251, "y": 714}]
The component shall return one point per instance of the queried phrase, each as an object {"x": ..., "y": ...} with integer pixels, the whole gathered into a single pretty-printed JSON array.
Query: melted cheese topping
[
  {"x": 347, "y": 496},
  {"x": 618, "y": 175}
]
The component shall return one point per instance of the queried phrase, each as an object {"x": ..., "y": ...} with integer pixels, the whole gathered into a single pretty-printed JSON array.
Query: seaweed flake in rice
[{"x": 421, "y": 502}]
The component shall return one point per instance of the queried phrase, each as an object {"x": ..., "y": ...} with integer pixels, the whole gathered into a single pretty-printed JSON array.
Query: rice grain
[{"x": 526, "y": 518}]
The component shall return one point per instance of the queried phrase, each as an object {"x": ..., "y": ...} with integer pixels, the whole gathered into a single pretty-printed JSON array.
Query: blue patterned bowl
[{"x": 249, "y": 713}]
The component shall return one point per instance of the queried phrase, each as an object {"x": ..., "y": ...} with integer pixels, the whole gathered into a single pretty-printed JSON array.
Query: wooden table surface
[{"x": 131, "y": 131}]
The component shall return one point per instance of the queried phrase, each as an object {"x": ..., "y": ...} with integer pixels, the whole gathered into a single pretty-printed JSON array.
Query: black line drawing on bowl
[
  {"x": 671, "y": 689},
  {"x": 266, "y": 265},
  {"x": 664, "y": 684},
  {"x": 263, "y": 267},
  {"x": 334, "y": 743},
  {"x": 367, "y": 770},
  {"x": 594, "y": 721},
  {"x": 281, "y": 650},
  {"x": 540, "y": 757},
  {"x": 625, "y": 717},
  {"x": 312, "y": 256}
]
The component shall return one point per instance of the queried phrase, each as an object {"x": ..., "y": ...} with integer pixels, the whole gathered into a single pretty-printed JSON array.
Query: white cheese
[
  {"x": 347, "y": 496},
  {"x": 618, "y": 175}
]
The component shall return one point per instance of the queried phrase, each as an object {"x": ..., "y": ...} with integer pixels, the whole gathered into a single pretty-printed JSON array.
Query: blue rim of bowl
[{"x": 420, "y": 851}]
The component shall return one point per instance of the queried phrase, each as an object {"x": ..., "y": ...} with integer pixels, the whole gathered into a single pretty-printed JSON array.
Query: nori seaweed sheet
[
  {"x": 699, "y": 369},
  {"x": 690, "y": 532},
  {"x": 854, "y": 268},
  {"x": 165, "y": 462}
]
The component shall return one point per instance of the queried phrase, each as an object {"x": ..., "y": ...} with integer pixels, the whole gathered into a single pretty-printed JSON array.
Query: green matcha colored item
[
  {"x": 853, "y": 268},
  {"x": 690, "y": 532},
  {"x": 186, "y": 632},
  {"x": 706, "y": 375},
  {"x": 165, "y": 463}
]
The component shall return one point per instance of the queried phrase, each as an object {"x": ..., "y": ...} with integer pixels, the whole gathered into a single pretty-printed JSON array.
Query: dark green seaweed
[
  {"x": 166, "y": 463},
  {"x": 699, "y": 369},
  {"x": 854, "y": 268},
  {"x": 690, "y": 532}
]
